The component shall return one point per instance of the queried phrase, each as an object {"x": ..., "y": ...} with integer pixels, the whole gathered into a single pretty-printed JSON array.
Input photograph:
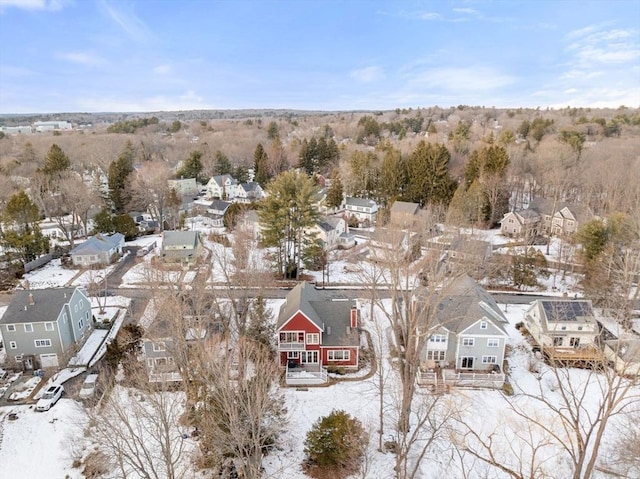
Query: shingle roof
[
  {"x": 98, "y": 244},
  {"x": 363, "y": 202},
  {"x": 47, "y": 304},
  {"x": 170, "y": 238},
  {"x": 405, "y": 207},
  {"x": 325, "y": 309},
  {"x": 465, "y": 303}
]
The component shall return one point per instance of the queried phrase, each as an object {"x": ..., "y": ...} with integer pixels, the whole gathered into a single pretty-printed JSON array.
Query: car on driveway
[
  {"x": 88, "y": 388},
  {"x": 50, "y": 397}
]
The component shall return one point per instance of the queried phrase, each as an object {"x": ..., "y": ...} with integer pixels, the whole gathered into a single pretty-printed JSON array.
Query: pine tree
[
  {"x": 192, "y": 166},
  {"x": 118, "y": 178},
  {"x": 335, "y": 192},
  {"x": 20, "y": 232},
  {"x": 428, "y": 175},
  {"x": 260, "y": 165},
  {"x": 336, "y": 444},
  {"x": 222, "y": 164},
  {"x": 56, "y": 161}
]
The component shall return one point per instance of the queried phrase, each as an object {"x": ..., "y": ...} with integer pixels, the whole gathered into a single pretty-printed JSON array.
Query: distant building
[{"x": 56, "y": 125}]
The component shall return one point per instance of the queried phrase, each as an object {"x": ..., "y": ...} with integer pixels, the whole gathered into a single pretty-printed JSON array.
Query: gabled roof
[
  {"x": 99, "y": 243},
  {"x": 221, "y": 179},
  {"x": 250, "y": 187},
  {"x": 47, "y": 304},
  {"x": 327, "y": 311},
  {"x": 176, "y": 238},
  {"x": 362, "y": 202},
  {"x": 469, "y": 245},
  {"x": 219, "y": 205},
  {"x": 405, "y": 207},
  {"x": 544, "y": 206},
  {"x": 465, "y": 303}
]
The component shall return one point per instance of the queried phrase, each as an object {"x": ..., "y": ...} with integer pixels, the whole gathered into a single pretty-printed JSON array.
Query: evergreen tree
[
  {"x": 118, "y": 178},
  {"x": 261, "y": 165},
  {"x": 20, "y": 231},
  {"x": 261, "y": 327},
  {"x": 335, "y": 192},
  {"x": 103, "y": 222},
  {"x": 335, "y": 444},
  {"x": 56, "y": 161},
  {"x": 284, "y": 215},
  {"x": 428, "y": 175},
  {"x": 126, "y": 225},
  {"x": 272, "y": 131},
  {"x": 393, "y": 174},
  {"x": 222, "y": 164},
  {"x": 241, "y": 174},
  {"x": 192, "y": 166}
]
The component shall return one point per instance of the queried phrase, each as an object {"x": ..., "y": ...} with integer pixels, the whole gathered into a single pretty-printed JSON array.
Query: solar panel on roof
[{"x": 566, "y": 310}]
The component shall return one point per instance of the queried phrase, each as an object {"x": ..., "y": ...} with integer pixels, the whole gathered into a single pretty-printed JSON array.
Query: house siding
[{"x": 351, "y": 363}]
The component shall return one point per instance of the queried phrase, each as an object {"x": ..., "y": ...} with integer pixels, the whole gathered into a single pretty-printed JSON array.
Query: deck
[
  {"x": 306, "y": 375},
  {"x": 447, "y": 378}
]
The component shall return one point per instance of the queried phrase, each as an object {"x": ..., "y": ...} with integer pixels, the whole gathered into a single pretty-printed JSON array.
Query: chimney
[
  {"x": 31, "y": 300},
  {"x": 354, "y": 318}
]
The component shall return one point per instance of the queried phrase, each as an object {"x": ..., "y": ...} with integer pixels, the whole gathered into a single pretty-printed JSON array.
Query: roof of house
[
  {"x": 249, "y": 187},
  {"x": 219, "y": 205},
  {"x": 220, "y": 179},
  {"x": 465, "y": 303},
  {"x": 47, "y": 304},
  {"x": 562, "y": 311},
  {"x": 545, "y": 206},
  {"x": 176, "y": 238},
  {"x": 330, "y": 313},
  {"x": 99, "y": 243},
  {"x": 469, "y": 245},
  {"x": 363, "y": 202},
  {"x": 405, "y": 207}
]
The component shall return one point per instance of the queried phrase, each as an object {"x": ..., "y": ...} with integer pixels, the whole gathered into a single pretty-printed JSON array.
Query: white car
[
  {"x": 50, "y": 397},
  {"x": 88, "y": 388}
]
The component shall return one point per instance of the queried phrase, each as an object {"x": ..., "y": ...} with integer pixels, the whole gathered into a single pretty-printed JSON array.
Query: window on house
[
  {"x": 557, "y": 340},
  {"x": 48, "y": 326},
  {"x": 13, "y": 345},
  {"x": 292, "y": 355},
  {"x": 11, "y": 327},
  {"x": 289, "y": 337},
  {"x": 339, "y": 355},
  {"x": 150, "y": 363},
  {"x": 80, "y": 324},
  {"x": 493, "y": 343},
  {"x": 489, "y": 359},
  {"x": 483, "y": 325},
  {"x": 86, "y": 316},
  {"x": 574, "y": 342},
  {"x": 579, "y": 328},
  {"x": 438, "y": 338},
  {"x": 42, "y": 343},
  {"x": 468, "y": 342},
  {"x": 161, "y": 346},
  {"x": 466, "y": 362},
  {"x": 75, "y": 307},
  {"x": 28, "y": 328},
  {"x": 437, "y": 355},
  {"x": 64, "y": 318},
  {"x": 313, "y": 338}
]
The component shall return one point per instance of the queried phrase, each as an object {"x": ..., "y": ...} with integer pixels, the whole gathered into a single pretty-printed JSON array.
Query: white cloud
[
  {"x": 367, "y": 74},
  {"x": 82, "y": 58},
  {"x": 50, "y": 5},
  {"x": 126, "y": 19},
  {"x": 468, "y": 11},
  {"x": 467, "y": 79},
  {"x": 162, "y": 69},
  {"x": 188, "y": 100}
]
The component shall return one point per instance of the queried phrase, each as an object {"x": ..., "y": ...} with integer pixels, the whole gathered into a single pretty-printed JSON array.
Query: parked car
[
  {"x": 50, "y": 397},
  {"x": 88, "y": 388}
]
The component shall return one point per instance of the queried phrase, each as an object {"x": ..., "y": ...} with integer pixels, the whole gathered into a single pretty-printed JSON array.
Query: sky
[{"x": 155, "y": 55}]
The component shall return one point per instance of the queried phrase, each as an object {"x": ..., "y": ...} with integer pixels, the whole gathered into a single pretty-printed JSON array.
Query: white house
[
  {"x": 362, "y": 209},
  {"x": 223, "y": 187}
]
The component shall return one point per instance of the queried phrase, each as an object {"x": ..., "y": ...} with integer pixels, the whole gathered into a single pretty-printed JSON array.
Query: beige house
[
  {"x": 181, "y": 247},
  {"x": 404, "y": 214},
  {"x": 545, "y": 216}
]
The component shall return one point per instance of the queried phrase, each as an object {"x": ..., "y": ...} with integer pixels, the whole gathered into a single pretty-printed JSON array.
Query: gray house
[
  {"x": 468, "y": 337},
  {"x": 362, "y": 209},
  {"x": 100, "y": 249},
  {"x": 40, "y": 328},
  {"x": 180, "y": 247}
]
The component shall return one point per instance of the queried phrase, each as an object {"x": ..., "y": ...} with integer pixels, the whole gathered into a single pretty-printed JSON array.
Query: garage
[{"x": 48, "y": 361}]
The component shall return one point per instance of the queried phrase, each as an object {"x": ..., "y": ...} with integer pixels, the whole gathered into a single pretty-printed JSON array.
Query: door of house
[
  {"x": 309, "y": 357},
  {"x": 466, "y": 362},
  {"x": 49, "y": 360}
]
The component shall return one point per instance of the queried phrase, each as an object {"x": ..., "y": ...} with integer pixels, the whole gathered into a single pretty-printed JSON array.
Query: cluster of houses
[
  {"x": 544, "y": 216},
  {"x": 319, "y": 331}
]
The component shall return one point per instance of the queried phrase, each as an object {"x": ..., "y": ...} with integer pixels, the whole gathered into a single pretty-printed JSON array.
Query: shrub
[{"x": 334, "y": 446}]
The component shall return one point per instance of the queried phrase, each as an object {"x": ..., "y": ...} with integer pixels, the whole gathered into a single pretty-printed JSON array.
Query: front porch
[
  {"x": 444, "y": 379},
  {"x": 306, "y": 374}
]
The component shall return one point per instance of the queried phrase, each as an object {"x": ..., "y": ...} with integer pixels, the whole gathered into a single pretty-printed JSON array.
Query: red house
[{"x": 315, "y": 328}]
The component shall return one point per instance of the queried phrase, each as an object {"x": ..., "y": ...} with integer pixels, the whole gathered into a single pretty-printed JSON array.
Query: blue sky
[{"x": 150, "y": 55}]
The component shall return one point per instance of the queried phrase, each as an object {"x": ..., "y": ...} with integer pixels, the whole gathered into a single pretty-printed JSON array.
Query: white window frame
[
  {"x": 290, "y": 334},
  {"x": 48, "y": 326},
  {"x": 489, "y": 359},
  {"x": 293, "y": 355},
  {"x": 483, "y": 325},
  {"x": 80, "y": 324},
  {"x": 11, "y": 328},
  {"x": 160, "y": 346},
  {"x": 28, "y": 327},
  {"x": 472, "y": 358},
  {"x": 310, "y": 357},
  {"x": 438, "y": 338},
  {"x": 313, "y": 338},
  {"x": 13, "y": 345},
  {"x": 436, "y": 354},
  {"x": 45, "y": 343},
  {"x": 86, "y": 316},
  {"x": 345, "y": 353},
  {"x": 469, "y": 342},
  {"x": 493, "y": 343}
]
